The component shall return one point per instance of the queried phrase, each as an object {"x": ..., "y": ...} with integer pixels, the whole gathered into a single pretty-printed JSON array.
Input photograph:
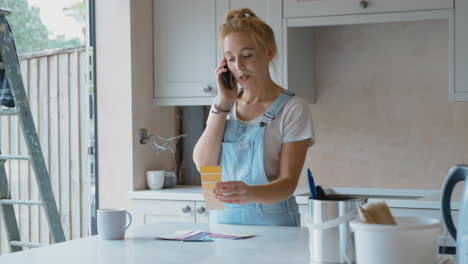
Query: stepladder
[{"x": 19, "y": 107}]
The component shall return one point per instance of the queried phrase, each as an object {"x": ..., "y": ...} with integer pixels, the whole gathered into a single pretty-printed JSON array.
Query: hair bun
[
  {"x": 245, "y": 20},
  {"x": 240, "y": 13}
]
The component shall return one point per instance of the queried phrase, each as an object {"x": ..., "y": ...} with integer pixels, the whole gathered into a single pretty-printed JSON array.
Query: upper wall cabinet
[
  {"x": 184, "y": 51},
  {"x": 305, "y": 8},
  {"x": 185, "y": 46},
  {"x": 302, "y": 16}
]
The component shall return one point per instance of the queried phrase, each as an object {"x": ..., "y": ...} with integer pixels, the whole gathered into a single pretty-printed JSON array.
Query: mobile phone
[{"x": 228, "y": 78}]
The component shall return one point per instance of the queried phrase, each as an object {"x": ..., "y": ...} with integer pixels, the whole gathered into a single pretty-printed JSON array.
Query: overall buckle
[{"x": 269, "y": 116}]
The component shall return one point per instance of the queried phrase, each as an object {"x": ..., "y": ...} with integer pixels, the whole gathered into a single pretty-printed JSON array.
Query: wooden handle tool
[
  {"x": 365, "y": 216},
  {"x": 376, "y": 213}
]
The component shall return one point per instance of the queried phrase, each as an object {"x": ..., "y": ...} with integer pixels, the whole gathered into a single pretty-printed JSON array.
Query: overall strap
[{"x": 277, "y": 105}]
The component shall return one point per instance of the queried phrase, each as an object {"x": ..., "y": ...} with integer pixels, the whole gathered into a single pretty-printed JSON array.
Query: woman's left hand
[{"x": 233, "y": 192}]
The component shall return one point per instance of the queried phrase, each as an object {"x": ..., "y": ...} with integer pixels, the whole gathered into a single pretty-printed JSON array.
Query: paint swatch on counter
[
  {"x": 201, "y": 236},
  {"x": 187, "y": 236},
  {"x": 211, "y": 175},
  {"x": 230, "y": 236}
]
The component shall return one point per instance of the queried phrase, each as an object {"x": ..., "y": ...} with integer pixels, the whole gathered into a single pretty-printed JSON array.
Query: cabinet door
[
  {"x": 308, "y": 8},
  {"x": 156, "y": 211},
  {"x": 201, "y": 213},
  {"x": 270, "y": 11},
  {"x": 461, "y": 52},
  {"x": 184, "y": 51}
]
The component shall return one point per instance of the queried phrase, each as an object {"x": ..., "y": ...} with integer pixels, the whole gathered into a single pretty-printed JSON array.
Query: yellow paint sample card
[{"x": 210, "y": 175}]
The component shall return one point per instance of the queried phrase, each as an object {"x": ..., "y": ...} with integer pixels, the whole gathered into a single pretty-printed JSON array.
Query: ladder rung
[
  {"x": 24, "y": 244},
  {"x": 9, "y": 201},
  {"x": 9, "y": 112},
  {"x": 14, "y": 157}
]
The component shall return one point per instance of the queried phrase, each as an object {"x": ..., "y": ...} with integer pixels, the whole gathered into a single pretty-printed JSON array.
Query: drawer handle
[
  {"x": 186, "y": 209},
  {"x": 364, "y": 4},
  {"x": 201, "y": 210},
  {"x": 207, "y": 88}
]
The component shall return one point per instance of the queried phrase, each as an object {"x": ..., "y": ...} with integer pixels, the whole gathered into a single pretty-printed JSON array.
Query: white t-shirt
[{"x": 293, "y": 123}]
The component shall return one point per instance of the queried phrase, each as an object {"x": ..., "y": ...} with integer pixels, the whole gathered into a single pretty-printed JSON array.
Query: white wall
[
  {"x": 382, "y": 116},
  {"x": 158, "y": 120},
  {"x": 124, "y": 100},
  {"x": 114, "y": 102}
]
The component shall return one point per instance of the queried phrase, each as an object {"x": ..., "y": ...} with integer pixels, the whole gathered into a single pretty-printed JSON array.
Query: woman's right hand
[{"x": 226, "y": 96}]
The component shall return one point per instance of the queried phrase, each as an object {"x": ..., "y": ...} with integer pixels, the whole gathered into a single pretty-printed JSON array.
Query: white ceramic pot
[{"x": 155, "y": 179}]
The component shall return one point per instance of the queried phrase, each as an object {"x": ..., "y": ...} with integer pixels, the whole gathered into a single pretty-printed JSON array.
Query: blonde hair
[{"x": 245, "y": 20}]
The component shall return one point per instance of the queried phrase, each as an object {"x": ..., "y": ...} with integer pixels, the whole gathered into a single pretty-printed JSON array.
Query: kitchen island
[{"x": 270, "y": 245}]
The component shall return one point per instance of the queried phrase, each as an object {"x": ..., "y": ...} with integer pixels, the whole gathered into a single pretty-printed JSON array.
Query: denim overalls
[{"x": 242, "y": 160}]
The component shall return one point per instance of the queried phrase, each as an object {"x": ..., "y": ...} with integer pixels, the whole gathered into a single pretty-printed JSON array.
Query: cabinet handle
[
  {"x": 186, "y": 209},
  {"x": 207, "y": 88},
  {"x": 201, "y": 210},
  {"x": 364, "y": 4}
]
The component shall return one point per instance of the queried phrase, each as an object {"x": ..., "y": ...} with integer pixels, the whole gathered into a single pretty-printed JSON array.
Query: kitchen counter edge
[{"x": 398, "y": 198}]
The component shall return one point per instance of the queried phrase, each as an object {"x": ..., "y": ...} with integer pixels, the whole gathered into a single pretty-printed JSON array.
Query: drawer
[
  {"x": 156, "y": 211},
  {"x": 309, "y": 8}
]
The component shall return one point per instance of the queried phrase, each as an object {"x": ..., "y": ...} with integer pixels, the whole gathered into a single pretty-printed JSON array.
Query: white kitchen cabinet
[
  {"x": 185, "y": 46},
  {"x": 184, "y": 51},
  {"x": 299, "y": 60},
  {"x": 308, "y": 8},
  {"x": 301, "y": 17},
  {"x": 460, "y": 53},
  {"x": 157, "y": 211}
]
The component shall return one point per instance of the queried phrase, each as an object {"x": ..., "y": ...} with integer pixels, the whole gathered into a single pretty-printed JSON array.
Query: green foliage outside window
[{"x": 30, "y": 33}]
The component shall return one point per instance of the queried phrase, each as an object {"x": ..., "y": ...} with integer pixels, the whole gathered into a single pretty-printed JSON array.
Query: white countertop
[
  {"x": 400, "y": 198},
  {"x": 271, "y": 245}
]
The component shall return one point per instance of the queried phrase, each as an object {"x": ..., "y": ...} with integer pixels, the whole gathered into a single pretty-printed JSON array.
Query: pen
[{"x": 312, "y": 188}]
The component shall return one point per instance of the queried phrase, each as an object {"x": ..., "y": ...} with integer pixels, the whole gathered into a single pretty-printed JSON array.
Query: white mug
[{"x": 111, "y": 223}]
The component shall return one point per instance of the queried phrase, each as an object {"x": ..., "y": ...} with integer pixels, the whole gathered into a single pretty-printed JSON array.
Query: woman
[{"x": 259, "y": 134}]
